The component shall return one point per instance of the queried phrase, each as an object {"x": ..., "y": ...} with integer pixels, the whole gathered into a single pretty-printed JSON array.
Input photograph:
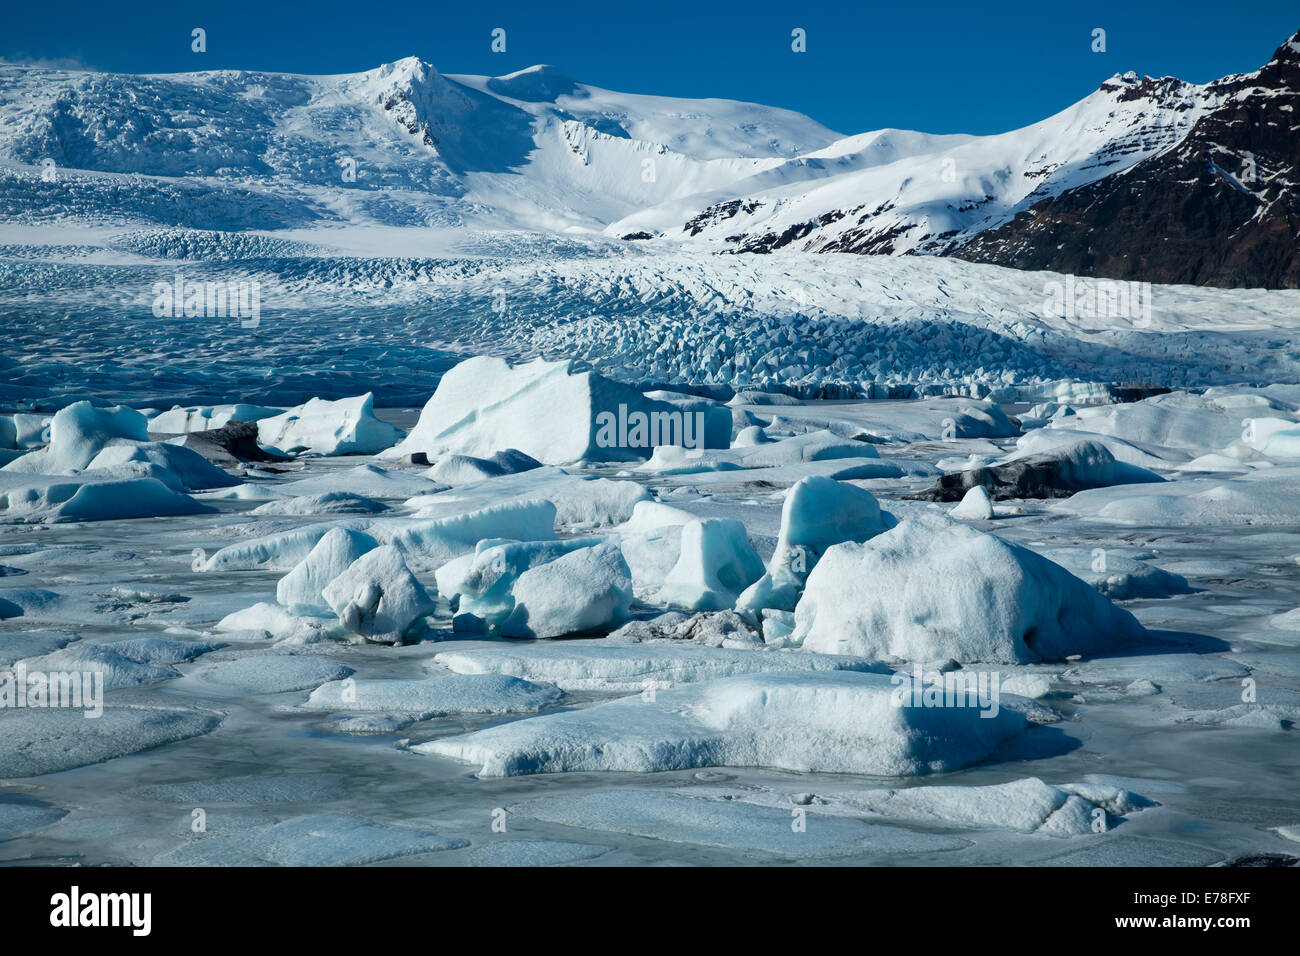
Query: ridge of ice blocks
[
  {"x": 378, "y": 597},
  {"x": 932, "y": 589},
  {"x": 817, "y": 513},
  {"x": 347, "y": 426},
  {"x": 975, "y": 505},
  {"x": 301, "y": 589},
  {"x": 201, "y": 418},
  {"x": 86, "y": 438},
  {"x": 425, "y": 543},
  {"x": 715, "y": 565},
  {"x": 553, "y": 412},
  {"x": 1181, "y": 420},
  {"x": 584, "y": 590},
  {"x": 823, "y": 722},
  {"x": 583, "y": 665},
  {"x": 433, "y": 696}
]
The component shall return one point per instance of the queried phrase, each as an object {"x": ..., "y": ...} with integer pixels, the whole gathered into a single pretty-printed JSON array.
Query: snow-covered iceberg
[{"x": 932, "y": 589}]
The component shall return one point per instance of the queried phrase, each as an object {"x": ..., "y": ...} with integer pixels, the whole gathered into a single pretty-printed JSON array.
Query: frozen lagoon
[{"x": 1220, "y": 786}]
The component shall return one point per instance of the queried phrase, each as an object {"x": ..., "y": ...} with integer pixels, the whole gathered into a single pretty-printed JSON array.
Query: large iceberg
[
  {"x": 553, "y": 411},
  {"x": 932, "y": 589},
  {"x": 344, "y": 427}
]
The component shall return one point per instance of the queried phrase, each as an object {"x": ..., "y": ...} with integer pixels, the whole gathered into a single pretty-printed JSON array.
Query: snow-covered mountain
[{"x": 404, "y": 145}]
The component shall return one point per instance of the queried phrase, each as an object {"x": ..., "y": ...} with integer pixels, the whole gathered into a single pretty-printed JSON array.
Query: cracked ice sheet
[
  {"x": 326, "y": 839},
  {"x": 598, "y": 666},
  {"x": 814, "y": 721},
  {"x": 34, "y": 742},
  {"x": 676, "y": 818}
]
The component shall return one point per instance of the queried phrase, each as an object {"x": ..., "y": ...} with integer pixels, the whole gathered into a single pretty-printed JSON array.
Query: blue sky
[{"x": 931, "y": 65}]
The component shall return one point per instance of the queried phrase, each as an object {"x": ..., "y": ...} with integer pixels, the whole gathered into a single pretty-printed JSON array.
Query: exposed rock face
[
  {"x": 231, "y": 444},
  {"x": 1054, "y": 474},
  {"x": 1220, "y": 208}
]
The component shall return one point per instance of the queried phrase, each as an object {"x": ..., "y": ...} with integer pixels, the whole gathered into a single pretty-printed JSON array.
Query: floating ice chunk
[
  {"x": 1161, "y": 668},
  {"x": 651, "y": 515},
  {"x": 932, "y": 589},
  {"x": 78, "y": 433},
  {"x": 324, "y": 839},
  {"x": 1117, "y": 575},
  {"x": 1193, "y": 423},
  {"x": 277, "y": 552},
  {"x": 1260, "y": 716},
  {"x": 344, "y": 427},
  {"x": 91, "y": 496},
  {"x": 193, "y": 472},
  {"x": 34, "y": 742},
  {"x": 584, "y": 590},
  {"x": 548, "y": 410},
  {"x": 762, "y": 398},
  {"x": 749, "y": 436},
  {"x": 601, "y": 666},
  {"x": 485, "y": 580},
  {"x": 378, "y": 597},
  {"x": 328, "y": 503},
  {"x": 827, "y": 722},
  {"x": 369, "y": 480},
  {"x": 682, "y": 818},
  {"x": 1028, "y": 805},
  {"x": 580, "y": 502},
  {"x": 128, "y": 663},
  {"x": 466, "y": 469},
  {"x": 437, "y": 695},
  {"x": 300, "y": 589},
  {"x": 817, "y": 513},
  {"x": 975, "y": 505},
  {"x": 716, "y": 564},
  {"x": 1046, "y": 440},
  {"x": 710, "y": 629},
  {"x": 265, "y": 621},
  {"x": 266, "y": 673},
  {"x": 1267, "y": 498},
  {"x": 201, "y": 418},
  {"x": 432, "y": 542}
]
